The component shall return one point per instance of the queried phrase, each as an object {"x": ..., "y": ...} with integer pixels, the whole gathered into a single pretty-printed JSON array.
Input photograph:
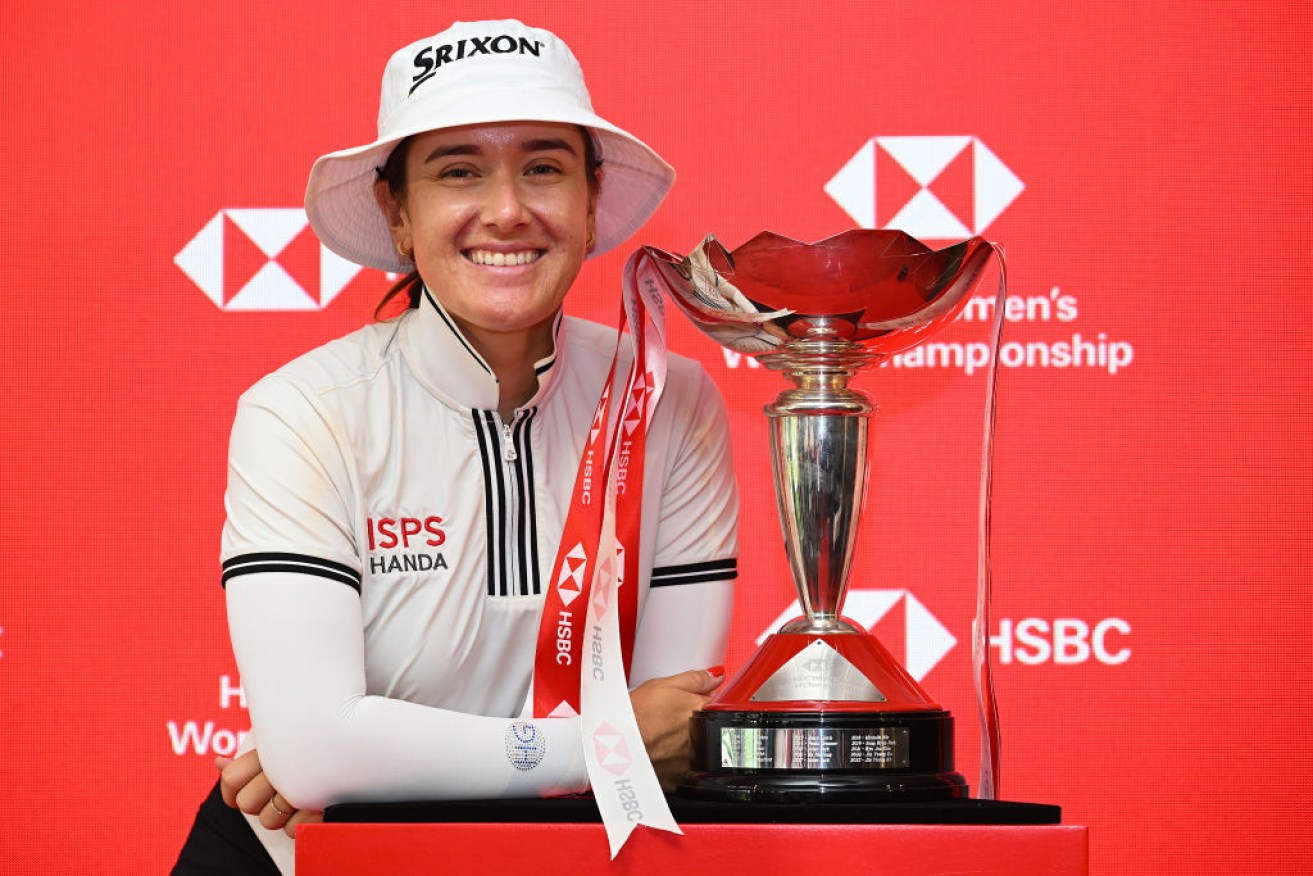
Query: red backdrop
[{"x": 1145, "y": 165}]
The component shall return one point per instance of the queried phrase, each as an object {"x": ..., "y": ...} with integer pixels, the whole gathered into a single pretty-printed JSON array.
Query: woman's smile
[{"x": 503, "y": 259}]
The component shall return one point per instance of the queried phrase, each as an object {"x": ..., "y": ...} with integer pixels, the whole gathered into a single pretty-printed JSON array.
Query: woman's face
[{"x": 500, "y": 218}]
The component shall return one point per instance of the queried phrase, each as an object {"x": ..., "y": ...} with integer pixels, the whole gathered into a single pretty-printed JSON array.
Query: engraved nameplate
[{"x": 815, "y": 748}]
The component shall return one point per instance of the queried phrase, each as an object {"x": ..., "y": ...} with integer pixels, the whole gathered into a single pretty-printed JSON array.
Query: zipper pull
[{"x": 508, "y": 444}]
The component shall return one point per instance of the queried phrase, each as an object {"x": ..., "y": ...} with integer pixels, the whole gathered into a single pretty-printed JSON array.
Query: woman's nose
[{"x": 504, "y": 205}]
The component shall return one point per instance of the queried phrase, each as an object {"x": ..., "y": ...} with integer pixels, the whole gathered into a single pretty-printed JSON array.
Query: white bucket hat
[{"x": 478, "y": 73}]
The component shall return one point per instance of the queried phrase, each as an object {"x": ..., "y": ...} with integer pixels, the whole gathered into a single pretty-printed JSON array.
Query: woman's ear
[
  {"x": 592, "y": 209},
  {"x": 395, "y": 214},
  {"x": 390, "y": 206}
]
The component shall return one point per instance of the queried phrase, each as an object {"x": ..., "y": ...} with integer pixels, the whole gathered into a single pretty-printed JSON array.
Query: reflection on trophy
[{"x": 822, "y": 712}]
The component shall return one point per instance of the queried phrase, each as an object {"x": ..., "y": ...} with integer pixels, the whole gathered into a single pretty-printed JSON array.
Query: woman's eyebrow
[
  {"x": 547, "y": 145},
  {"x": 460, "y": 149}
]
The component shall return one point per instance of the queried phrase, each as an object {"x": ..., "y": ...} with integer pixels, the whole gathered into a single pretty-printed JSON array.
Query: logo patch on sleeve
[{"x": 525, "y": 745}]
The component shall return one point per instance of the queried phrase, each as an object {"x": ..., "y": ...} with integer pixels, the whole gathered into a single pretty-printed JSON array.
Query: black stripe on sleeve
[
  {"x": 695, "y": 573},
  {"x": 251, "y": 564}
]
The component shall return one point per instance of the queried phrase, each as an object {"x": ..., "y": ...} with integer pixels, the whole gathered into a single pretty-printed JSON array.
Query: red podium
[{"x": 544, "y": 849}]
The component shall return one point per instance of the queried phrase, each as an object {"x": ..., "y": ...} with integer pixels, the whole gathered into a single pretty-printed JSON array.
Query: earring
[
  {"x": 407, "y": 255},
  {"x": 591, "y": 241}
]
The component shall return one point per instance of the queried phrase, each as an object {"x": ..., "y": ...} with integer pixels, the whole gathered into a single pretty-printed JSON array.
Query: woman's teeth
[{"x": 501, "y": 259}]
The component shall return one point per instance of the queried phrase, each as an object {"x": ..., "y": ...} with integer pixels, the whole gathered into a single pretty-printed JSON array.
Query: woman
[{"x": 396, "y": 497}]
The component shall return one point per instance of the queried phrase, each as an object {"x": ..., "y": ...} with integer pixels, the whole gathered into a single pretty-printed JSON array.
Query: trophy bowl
[{"x": 822, "y": 712}]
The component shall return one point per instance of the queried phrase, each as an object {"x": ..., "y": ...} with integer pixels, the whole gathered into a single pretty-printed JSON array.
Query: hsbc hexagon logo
[
  {"x": 611, "y": 750},
  {"x": 936, "y": 188},
  {"x": 926, "y": 641},
  {"x": 570, "y": 583},
  {"x": 264, "y": 259}
]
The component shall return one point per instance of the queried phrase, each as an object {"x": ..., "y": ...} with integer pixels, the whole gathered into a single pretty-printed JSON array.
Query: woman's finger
[
  {"x": 237, "y": 774},
  {"x": 277, "y": 812},
  {"x": 301, "y": 816},
  {"x": 254, "y": 796}
]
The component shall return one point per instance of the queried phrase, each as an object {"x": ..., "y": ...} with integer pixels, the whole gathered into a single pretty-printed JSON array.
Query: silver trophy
[{"x": 822, "y": 712}]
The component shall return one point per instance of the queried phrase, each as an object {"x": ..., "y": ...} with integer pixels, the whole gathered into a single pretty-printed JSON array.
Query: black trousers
[{"x": 222, "y": 843}]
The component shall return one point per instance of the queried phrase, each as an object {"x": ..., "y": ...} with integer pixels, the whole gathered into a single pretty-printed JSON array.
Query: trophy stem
[{"x": 818, "y": 438}]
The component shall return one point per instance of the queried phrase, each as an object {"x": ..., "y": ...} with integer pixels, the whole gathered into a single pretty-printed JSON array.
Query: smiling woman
[{"x": 399, "y": 500}]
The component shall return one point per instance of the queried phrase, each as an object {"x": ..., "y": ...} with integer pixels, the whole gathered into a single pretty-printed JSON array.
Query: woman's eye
[
  {"x": 543, "y": 170},
  {"x": 456, "y": 173}
]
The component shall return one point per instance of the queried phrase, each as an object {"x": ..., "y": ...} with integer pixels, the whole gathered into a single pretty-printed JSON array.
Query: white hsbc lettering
[
  {"x": 628, "y": 800},
  {"x": 622, "y": 467},
  {"x": 564, "y": 638},
  {"x": 1062, "y": 641},
  {"x": 586, "y": 492}
]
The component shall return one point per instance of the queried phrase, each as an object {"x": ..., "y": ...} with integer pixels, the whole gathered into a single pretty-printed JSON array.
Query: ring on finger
[{"x": 273, "y": 801}]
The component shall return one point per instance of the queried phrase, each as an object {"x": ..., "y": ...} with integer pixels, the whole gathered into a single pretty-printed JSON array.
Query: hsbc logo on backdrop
[
  {"x": 934, "y": 188},
  {"x": 926, "y": 640},
  {"x": 264, "y": 259}
]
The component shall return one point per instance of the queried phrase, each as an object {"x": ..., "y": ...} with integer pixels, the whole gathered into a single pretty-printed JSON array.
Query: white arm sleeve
[{"x": 300, "y": 648}]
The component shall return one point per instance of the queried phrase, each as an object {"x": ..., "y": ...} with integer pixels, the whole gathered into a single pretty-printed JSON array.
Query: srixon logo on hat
[{"x": 430, "y": 58}]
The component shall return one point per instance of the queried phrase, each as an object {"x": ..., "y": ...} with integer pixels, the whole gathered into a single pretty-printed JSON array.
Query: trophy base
[{"x": 822, "y": 757}]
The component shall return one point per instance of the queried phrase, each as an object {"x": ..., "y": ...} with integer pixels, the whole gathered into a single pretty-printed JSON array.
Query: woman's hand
[
  {"x": 244, "y": 786},
  {"x": 662, "y": 707}
]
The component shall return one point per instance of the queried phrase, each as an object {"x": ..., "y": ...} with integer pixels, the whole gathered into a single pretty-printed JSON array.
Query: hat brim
[{"x": 340, "y": 203}]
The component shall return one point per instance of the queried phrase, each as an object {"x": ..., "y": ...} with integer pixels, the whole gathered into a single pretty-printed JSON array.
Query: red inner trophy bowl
[{"x": 892, "y": 290}]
